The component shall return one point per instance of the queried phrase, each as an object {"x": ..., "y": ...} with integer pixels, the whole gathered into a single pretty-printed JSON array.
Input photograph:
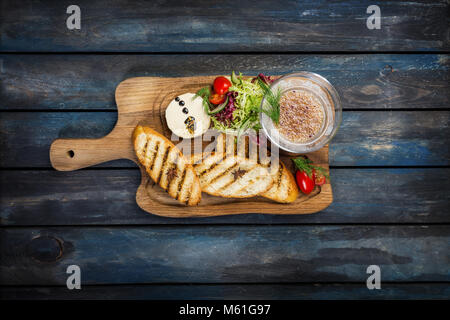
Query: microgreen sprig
[
  {"x": 304, "y": 164},
  {"x": 273, "y": 100},
  {"x": 204, "y": 93}
]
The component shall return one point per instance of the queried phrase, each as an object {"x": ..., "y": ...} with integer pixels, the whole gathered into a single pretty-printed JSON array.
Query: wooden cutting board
[{"x": 143, "y": 100}]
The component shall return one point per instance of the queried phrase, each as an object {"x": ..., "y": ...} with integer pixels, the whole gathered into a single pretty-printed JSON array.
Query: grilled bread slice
[
  {"x": 230, "y": 172},
  {"x": 232, "y": 176},
  {"x": 166, "y": 165},
  {"x": 284, "y": 188}
]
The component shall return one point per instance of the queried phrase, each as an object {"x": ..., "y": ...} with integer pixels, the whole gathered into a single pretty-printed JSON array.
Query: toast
[
  {"x": 283, "y": 187},
  {"x": 232, "y": 176},
  {"x": 166, "y": 165},
  {"x": 227, "y": 172}
]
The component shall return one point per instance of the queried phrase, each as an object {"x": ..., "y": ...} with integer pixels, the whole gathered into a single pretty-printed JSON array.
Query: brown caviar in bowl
[{"x": 301, "y": 116}]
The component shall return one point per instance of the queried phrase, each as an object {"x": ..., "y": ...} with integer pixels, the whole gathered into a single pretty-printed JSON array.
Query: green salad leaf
[
  {"x": 247, "y": 102},
  {"x": 244, "y": 105}
]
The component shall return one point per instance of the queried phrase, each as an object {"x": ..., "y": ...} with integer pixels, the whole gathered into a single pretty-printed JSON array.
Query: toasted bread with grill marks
[
  {"x": 244, "y": 154},
  {"x": 230, "y": 171},
  {"x": 284, "y": 188},
  {"x": 166, "y": 165},
  {"x": 231, "y": 176}
]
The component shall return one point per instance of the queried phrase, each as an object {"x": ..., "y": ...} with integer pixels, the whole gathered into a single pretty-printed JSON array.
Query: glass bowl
[{"x": 319, "y": 87}]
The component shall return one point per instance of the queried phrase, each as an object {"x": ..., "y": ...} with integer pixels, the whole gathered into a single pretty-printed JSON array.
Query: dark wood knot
[
  {"x": 45, "y": 249},
  {"x": 387, "y": 70}
]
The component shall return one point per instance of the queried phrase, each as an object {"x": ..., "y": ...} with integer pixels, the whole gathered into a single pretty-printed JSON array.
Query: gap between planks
[
  {"x": 234, "y": 225},
  {"x": 225, "y": 284},
  {"x": 286, "y": 52}
]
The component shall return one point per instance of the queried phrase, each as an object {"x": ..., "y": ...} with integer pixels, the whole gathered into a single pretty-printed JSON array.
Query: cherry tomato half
[
  {"x": 221, "y": 85},
  {"x": 216, "y": 98},
  {"x": 305, "y": 182},
  {"x": 319, "y": 178}
]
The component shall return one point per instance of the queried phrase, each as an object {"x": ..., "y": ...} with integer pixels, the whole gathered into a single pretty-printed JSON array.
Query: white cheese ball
[{"x": 186, "y": 116}]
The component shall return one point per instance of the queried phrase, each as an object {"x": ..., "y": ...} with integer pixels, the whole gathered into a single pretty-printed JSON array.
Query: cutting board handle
[{"x": 73, "y": 154}]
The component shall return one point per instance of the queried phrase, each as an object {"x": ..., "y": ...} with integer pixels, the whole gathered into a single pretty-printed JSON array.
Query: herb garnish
[
  {"x": 273, "y": 100},
  {"x": 304, "y": 164},
  {"x": 204, "y": 93},
  {"x": 171, "y": 174},
  {"x": 238, "y": 173}
]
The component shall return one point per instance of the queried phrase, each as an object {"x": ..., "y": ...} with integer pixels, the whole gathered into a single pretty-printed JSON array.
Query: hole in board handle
[{"x": 71, "y": 154}]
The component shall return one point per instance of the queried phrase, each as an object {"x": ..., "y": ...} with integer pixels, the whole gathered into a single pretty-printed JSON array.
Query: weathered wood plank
[
  {"x": 365, "y": 138},
  {"x": 40, "y": 82},
  {"x": 224, "y": 254},
  {"x": 224, "y": 26},
  {"x": 32, "y": 198},
  {"x": 392, "y": 138},
  {"x": 317, "y": 291}
]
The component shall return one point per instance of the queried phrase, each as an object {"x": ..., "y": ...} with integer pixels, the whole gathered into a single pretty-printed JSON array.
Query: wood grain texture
[
  {"x": 194, "y": 26},
  {"x": 365, "y": 138},
  {"x": 224, "y": 254},
  {"x": 143, "y": 100},
  {"x": 315, "y": 291},
  {"x": 107, "y": 197},
  {"x": 90, "y": 217},
  {"x": 87, "y": 82}
]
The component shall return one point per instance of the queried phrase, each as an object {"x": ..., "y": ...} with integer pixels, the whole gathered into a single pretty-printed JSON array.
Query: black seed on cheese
[
  {"x": 181, "y": 103},
  {"x": 177, "y": 99},
  {"x": 185, "y": 110},
  {"x": 189, "y": 119},
  {"x": 190, "y": 124}
]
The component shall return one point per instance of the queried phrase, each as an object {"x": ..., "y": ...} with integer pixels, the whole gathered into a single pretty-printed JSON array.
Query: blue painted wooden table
[{"x": 390, "y": 161}]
